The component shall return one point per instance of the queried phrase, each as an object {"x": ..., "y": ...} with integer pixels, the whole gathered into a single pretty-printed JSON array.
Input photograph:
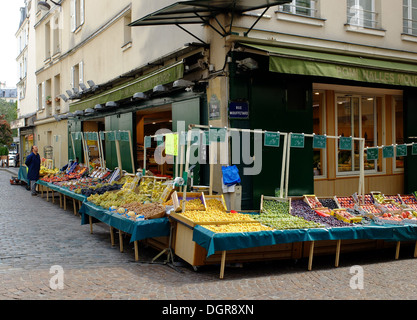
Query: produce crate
[
  {"x": 177, "y": 196},
  {"x": 344, "y": 215},
  {"x": 312, "y": 201},
  {"x": 396, "y": 198},
  {"x": 368, "y": 210},
  {"x": 382, "y": 221},
  {"x": 408, "y": 199},
  {"x": 345, "y": 202},
  {"x": 275, "y": 199},
  {"x": 389, "y": 207},
  {"x": 219, "y": 197}
]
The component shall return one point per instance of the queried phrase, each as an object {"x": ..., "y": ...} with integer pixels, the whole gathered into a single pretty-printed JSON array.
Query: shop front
[
  {"x": 150, "y": 104},
  {"x": 317, "y": 93}
]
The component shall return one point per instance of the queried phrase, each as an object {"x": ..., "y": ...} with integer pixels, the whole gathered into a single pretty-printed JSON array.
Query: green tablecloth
[
  {"x": 64, "y": 191},
  {"x": 138, "y": 230},
  {"x": 22, "y": 174},
  {"x": 213, "y": 242}
]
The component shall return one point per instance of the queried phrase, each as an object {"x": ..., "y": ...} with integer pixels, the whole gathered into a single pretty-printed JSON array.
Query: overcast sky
[{"x": 9, "y": 22}]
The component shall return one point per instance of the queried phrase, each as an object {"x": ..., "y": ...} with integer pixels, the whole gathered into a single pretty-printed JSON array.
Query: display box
[
  {"x": 344, "y": 215},
  {"x": 218, "y": 197},
  {"x": 178, "y": 196},
  {"x": 268, "y": 198},
  {"x": 345, "y": 202},
  {"x": 313, "y": 202}
]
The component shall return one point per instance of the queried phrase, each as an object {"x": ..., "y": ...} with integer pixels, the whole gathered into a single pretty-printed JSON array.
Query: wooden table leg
[
  {"x": 415, "y": 250},
  {"x": 310, "y": 256},
  {"x": 337, "y": 253},
  {"x": 136, "y": 251},
  {"x": 53, "y": 196},
  {"x": 65, "y": 202},
  {"x": 60, "y": 200},
  {"x": 41, "y": 190},
  {"x": 111, "y": 236},
  {"x": 397, "y": 250},
  {"x": 47, "y": 194},
  {"x": 223, "y": 263},
  {"x": 90, "y": 219},
  {"x": 121, "y": 240},
  {"x": 74, "y": 204}
]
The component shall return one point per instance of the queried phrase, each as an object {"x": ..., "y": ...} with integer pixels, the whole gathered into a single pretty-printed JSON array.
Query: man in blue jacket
[{"x": 33, "y": 162}]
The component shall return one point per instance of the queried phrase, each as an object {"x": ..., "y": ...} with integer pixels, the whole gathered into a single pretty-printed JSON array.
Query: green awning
[
  {"x": 302, "y": 62},
  {"x": 128, "y": 89}
]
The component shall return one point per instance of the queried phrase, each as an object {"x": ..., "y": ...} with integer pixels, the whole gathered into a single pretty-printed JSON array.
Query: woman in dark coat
[{"x": 33, "y": 162}]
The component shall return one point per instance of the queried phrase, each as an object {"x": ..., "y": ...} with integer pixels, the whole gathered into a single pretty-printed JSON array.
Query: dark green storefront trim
[{"x": 355, "y": 68}]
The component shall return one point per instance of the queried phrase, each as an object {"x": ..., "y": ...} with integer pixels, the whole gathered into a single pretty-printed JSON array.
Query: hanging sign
[
  {"x": 372, "y": 154},
  {"x": 271, "y": 139},
  {"x": 414, "y": 149},
  {"x": 297, "y": 140},
  {"x": 148, "y": 141},
  {"x": 401, "y": 150},
  {"x": 345, "y": 143},
  {"x": 171, "y": 144},
  {"x": 214, "y": 108},
  {"x": 388, "y": 152},
  {"x": 111, "y": 136},
  {"x": 319, "y": 142}
]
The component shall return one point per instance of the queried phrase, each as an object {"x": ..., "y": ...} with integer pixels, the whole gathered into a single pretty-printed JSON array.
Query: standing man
[{"x": 33, "y": 162}]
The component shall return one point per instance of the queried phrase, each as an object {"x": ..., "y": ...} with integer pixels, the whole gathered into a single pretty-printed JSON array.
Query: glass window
[
  {"x": 398, "y": 129},
  {"x": 358, "y": 116},
  {"x": 301, "y": 7},
  {"x": 319, "y": 125},
  {"x": 361, "y": 13},
  {"x": 410, "y": 17}
]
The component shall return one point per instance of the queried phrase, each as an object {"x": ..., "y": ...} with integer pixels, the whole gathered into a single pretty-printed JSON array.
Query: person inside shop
[{"x": 33, "y": 162}]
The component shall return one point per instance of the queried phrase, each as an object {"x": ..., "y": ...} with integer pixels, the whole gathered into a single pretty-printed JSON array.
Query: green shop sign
[
  {"x": 126, "y": 90},
  {"x": 324, "y": 64}
]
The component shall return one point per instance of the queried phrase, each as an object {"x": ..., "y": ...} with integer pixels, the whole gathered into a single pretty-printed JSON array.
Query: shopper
[{"x": 33, "y": 162}]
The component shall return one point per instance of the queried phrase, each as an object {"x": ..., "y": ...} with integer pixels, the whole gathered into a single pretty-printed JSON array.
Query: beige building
[
  {"x": 26, "y": 87},
  {"x": 340, "y": 68}
]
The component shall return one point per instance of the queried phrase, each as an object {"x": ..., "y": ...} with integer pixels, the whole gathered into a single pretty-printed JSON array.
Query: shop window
[
  {"x": 398, "y": 129},
  {"x": 410, "y": 17},
  {"x": 56, "y": 47},
  {"x": 301, "y": 7},
  {"x": 358, "y": 116},
  {"x": 40, "y": 97},
  {"x": 47, "y": 41},
  {"x": 362, "y": 13},
  {"x": 319, "y": 125},
  {"x": 127, "y": 31},
  {"x": 77, "y": 75}
]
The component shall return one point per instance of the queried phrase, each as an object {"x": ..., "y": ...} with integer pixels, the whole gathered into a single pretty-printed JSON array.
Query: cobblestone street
[{"x": 36, "y": 235}]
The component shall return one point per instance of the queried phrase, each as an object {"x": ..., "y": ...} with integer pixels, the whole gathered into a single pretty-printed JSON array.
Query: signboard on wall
[
  {"x": 214, "y": 108},
  {"x": 238, "y": 110}
]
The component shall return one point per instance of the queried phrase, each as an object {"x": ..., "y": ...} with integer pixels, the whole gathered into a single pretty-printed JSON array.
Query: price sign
[
  {"x": 388, "y": 152},
  {"x": 414, "y": 150},
  {"x": 401, "y": 150},
  {"x": 148, "y": 141},
  {"x": 319, "y": 142},
  {"x": 123, "y": 136},
  {"x": 297, "y": 140},
  {"x": 372, "y": 154},
  {"x": 111, "y": 136},
  {"x": 171, "y": 144},
  {"x": 345, "y": 143},
  {"x": 271, "y": 139}
]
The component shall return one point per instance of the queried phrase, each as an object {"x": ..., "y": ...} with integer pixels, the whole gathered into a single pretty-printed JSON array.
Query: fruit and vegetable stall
[{"x": 199, "y": 228}]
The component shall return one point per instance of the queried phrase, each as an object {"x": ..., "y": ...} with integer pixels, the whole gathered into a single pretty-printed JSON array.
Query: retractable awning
[
  {"x": 202, "y": 11},
  {"x": 313, "y": 63}
]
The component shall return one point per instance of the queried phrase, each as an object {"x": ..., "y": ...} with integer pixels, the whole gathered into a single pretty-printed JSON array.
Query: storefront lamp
[
  {"x": 140, "y": 96},
  {"x": 182, "y": 83},
  {"x": 92, "y": 85},
  {"x": 63, "y": 97},
  {"x": 79, "y": 113},
  {"x": 98, "y": 107},
  {"x": 111, "y": 104},
  {"x": 70, "y": 115},
  {"x": 160, "y": 88},
  {"x": 89, "y": 111}
]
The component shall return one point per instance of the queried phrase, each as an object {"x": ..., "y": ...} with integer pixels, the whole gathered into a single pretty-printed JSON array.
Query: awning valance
[
  {"x": 127, "y": 90},
  {"x": 313, "y": 63}
]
